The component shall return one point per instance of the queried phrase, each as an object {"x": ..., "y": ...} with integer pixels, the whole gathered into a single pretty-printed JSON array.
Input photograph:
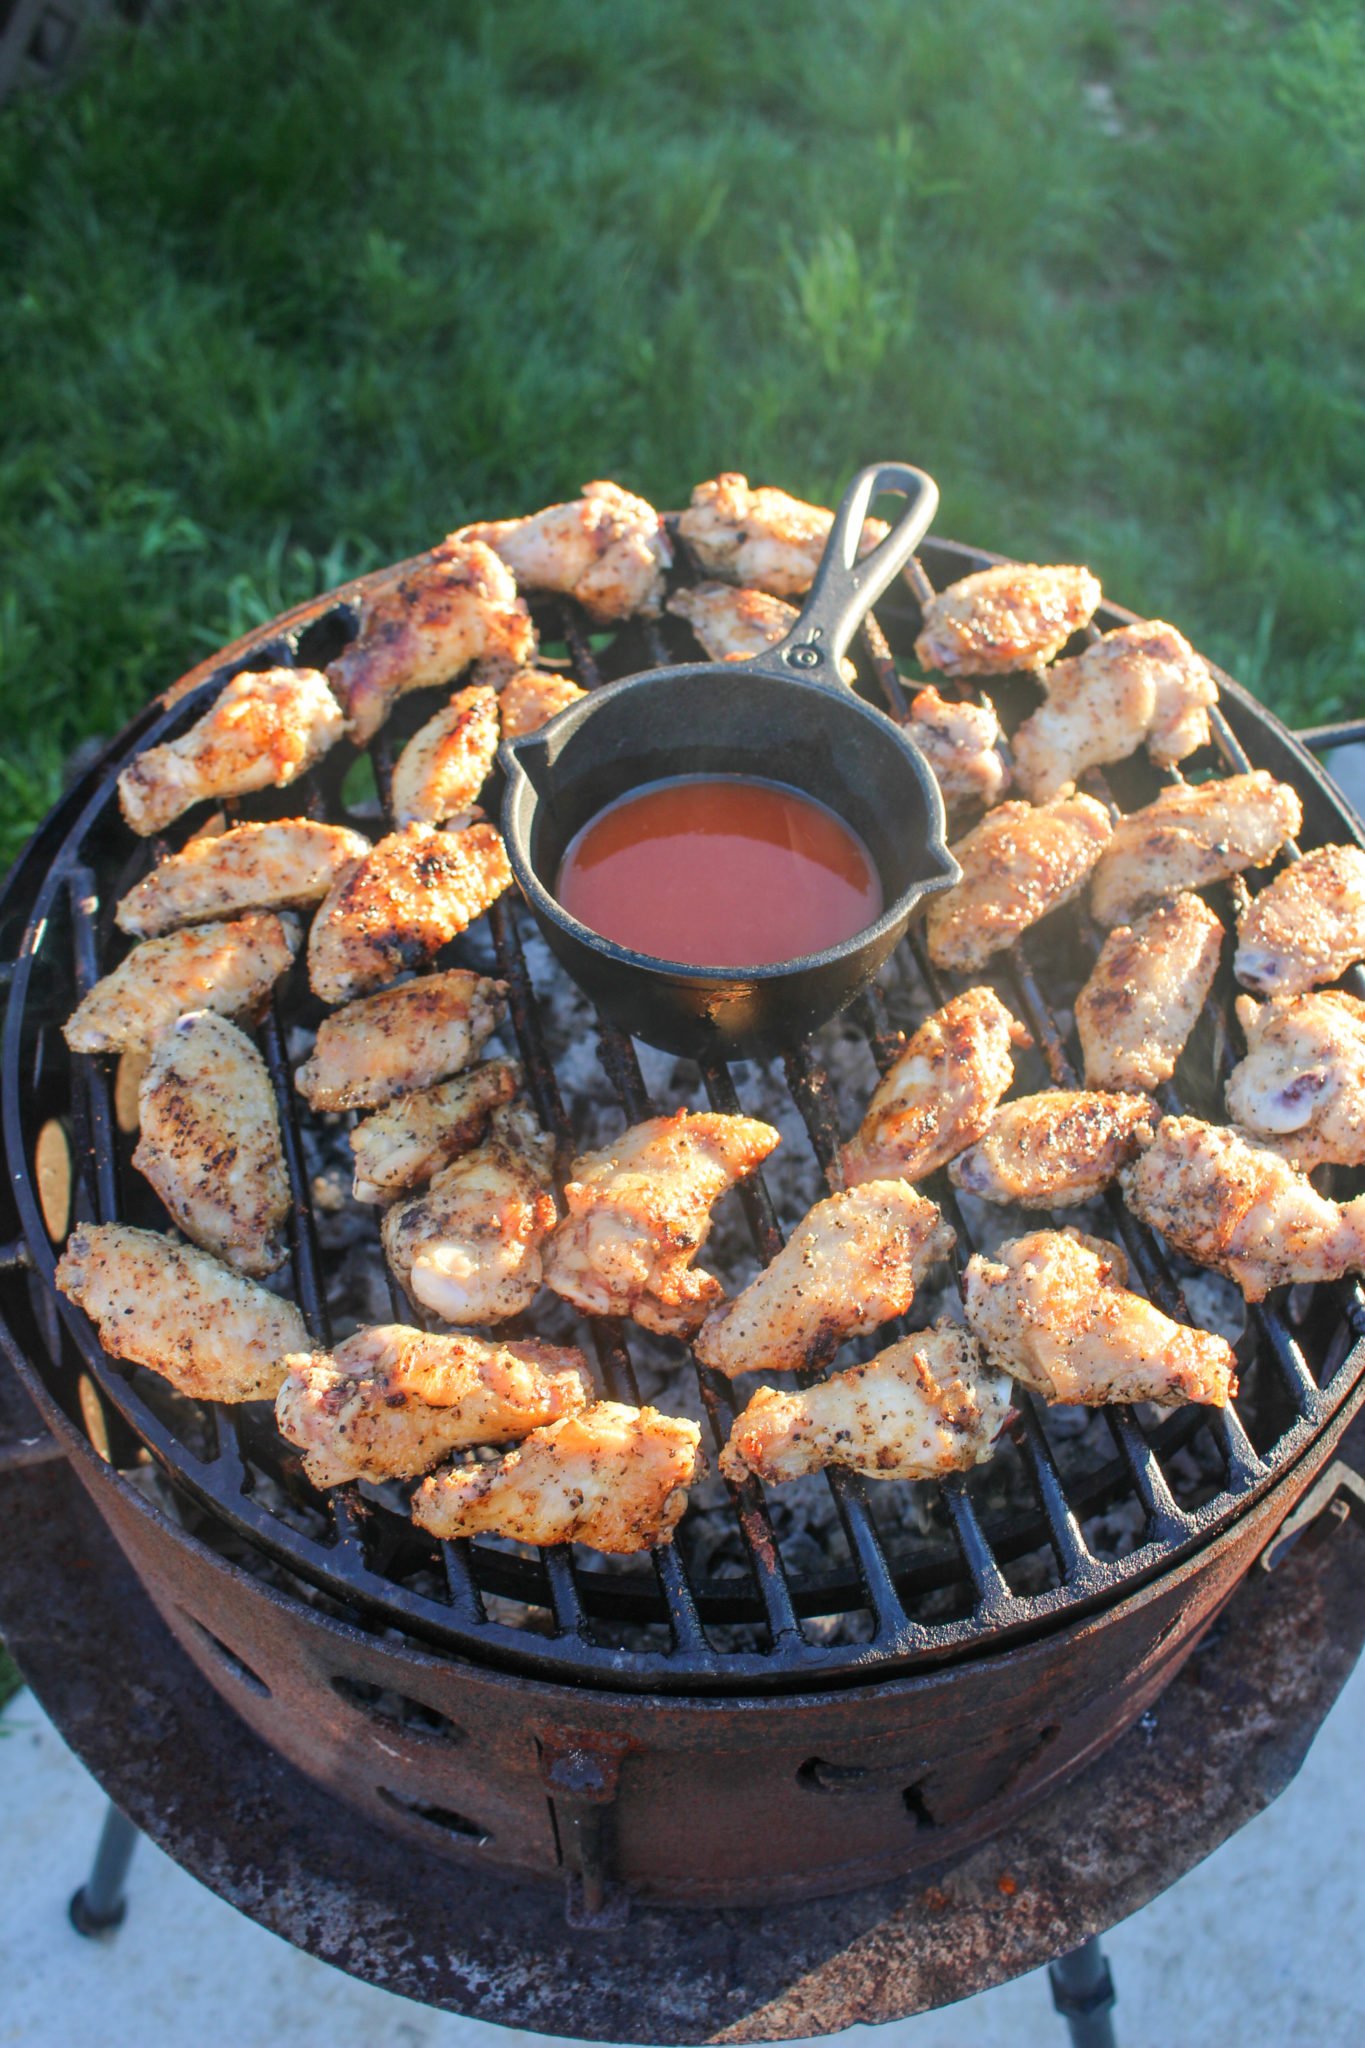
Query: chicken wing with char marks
[
  {"x": 1015, "y": 616},
  {"x": 1143, "y": 682},
  {"x": 761, "y": 538},
  {"x": 210, "y": 1141},
  {"x": 265, "y": 728},
  {"x": 470, "y": 1248},
  {"x": 1054, "y": 1150},
  {"x": 852, "y": 1265},
  {"x": 445, "y": 764},
  {"x": 228, "y": 967},
  {"x": 640, "y": 1211},
  {"x": 281, "y": 866},
  {"x": 1241, "y": 1209},
  {"x": 922, "y": 1408},
  {"x": 607, "y": 550},
  {"x": 213, "y": 1334},
  {"x": 1018, "y": 864},
  {"x": 531, "y": 697},
  {"x": 1300, "y": 1091},
  {"x": 1190, "y": 835},
  {"x": 961, "y": 744},
  {"x": 419, "y": 1134},
  {"x": 458, "y": 605},
  {"x": 941, "y": 1093},
  {"x": 397, "y": 907},
  {"x": 391, "y": 1402},
  {"x": 1054, "y": 1310},
  {"x": 612, "y": 1477},
  {"x": 1307, "y": 927},
  {"x": 403, "y": 1039},
  {"x": 1145, "y": 992},
  {"x": 734, "y": 624}
]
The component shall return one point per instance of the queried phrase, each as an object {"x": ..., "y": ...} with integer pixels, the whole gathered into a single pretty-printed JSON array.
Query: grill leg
[
  {"x": 1083, "y": 1993},
  {"x": 99, "y": 1906}
]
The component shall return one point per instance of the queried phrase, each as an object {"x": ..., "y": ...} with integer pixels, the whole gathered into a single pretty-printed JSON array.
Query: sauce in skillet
[{"x": 720, "y": 871}]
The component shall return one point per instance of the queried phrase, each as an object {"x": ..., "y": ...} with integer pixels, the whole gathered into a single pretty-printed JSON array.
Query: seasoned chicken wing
[
  {"x": 613, "y": 1477},
  {"x": 531, "y": 698},
  {"x": 470, "y": 1247},
  {"x": 400, "y": 1040},
  {"x": 607, "y": 550},
  {"x": 1018, "y": 864},
  {"x": 457, "y": 606},
  {"x": 282, "y": 866},
  {"x": 397, "y": 907},
  {"x": 391, "y": 1402},
  {"x": 445, "y": 764},
  {"x": 941, "y": 1093},
  {"x": 960, "y": 743},
  {"x": 1241, "y": 1209},
  {"x": 1055, "y": 1312},
  {"x": 1145, "y": 992},
  {"x": 1300, "y": 1091},
  {"x": 761, "y": 538},
  {"x": 640, "y": 1211},
  {"x": 210, "y": 1141},
  {"x": 213, "y": 1334},
  {"x": 1191, "y": 835},
  {"x": 228, "y": 967},
  {"x": 265, "y": 729},
  {"x": 1307, "y": 926},
  {"x": 734, "y": 624},
  {"x": 1143, "y": 682},
  {"x": 419, "y": 1134},
  {"x": 922, "y": 1408},
  {"x": 1014, "y": 616},
  {"x": 852, "y": 1265},
  {"x": 1054, "y": 1150}
]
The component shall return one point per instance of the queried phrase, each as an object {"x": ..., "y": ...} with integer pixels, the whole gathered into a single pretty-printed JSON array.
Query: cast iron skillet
[{"x": 786, "y": 715}]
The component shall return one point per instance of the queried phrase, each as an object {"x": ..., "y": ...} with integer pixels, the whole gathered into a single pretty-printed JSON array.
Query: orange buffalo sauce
[{"x": 719, "y": 871}]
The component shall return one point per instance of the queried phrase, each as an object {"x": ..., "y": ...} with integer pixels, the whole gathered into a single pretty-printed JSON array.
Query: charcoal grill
[{"x": 676, "y": 1732}]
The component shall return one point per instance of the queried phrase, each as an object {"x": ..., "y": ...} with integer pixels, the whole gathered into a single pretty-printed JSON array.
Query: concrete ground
[{"x": 1260, "y": 1947}]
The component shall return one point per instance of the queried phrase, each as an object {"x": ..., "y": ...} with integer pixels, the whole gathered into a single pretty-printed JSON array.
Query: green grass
[{"x": 292, "y": 290}]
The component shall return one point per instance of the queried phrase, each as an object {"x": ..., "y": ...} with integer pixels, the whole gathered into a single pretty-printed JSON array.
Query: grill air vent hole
[
  {"x": 413, "y": 1716},
  {"x": 229, "y": 1659},
  {"x": 441, "y": 1817},
  {"x": 917, "y": 1806}
]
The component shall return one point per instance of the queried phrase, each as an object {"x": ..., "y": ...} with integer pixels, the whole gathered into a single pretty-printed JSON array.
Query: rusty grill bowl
[{"x": 817, "y": 1721}]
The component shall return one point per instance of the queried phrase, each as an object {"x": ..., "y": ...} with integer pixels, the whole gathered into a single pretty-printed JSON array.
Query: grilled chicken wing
[
  {"x": 391, "y": 1402},
  {"x": 228, "y": 967},
  {"x": 607, "y": 550},
  {"x": 458, "y": 605},
  {"x": 941, "y": 1093},
  {"x": 469, "y": 1248},
  {"x": 213, "y": 1334},
  {"x": 1307, "y": 926},
  {"x": 1191, "y": 835},
  {"x": 1015, "y": 616},
  {"x": 1053, "y": 1150},
  {"x": 1018, "y": 864},
  {"x": 613, "y": 1477},
  {"x": 282, "y": 866},
  {"x": 1143, "y": 682},
  {"x": 761, "y": 538},
  {"x": 960, "y": 743},
  {"x": 922, "y": 1408},
  {"x": 1300, "y": 1091},
  {"x": 531, "y": 698},
  {"x": 1241, "y": 1209},
  {"x": 398, "y": 906},
  {"x": 1054, "y": 1311},
  {"x": 734, "y": 624},
  {"x": 445, "y": 764},
  {"x": 419, "y": 1134},
  {"x": 400, "y": 1040},
  {"x": 640, "y": 1211},
  {"x": 852, "y": 1264},
  {"x": 210, "y": 1141},
  {"x": 265, "y": 729},
  {"x": 1145, "y": 992}
]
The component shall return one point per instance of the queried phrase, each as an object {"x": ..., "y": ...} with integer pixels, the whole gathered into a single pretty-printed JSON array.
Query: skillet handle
[{"x": 845, "y": 588}]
